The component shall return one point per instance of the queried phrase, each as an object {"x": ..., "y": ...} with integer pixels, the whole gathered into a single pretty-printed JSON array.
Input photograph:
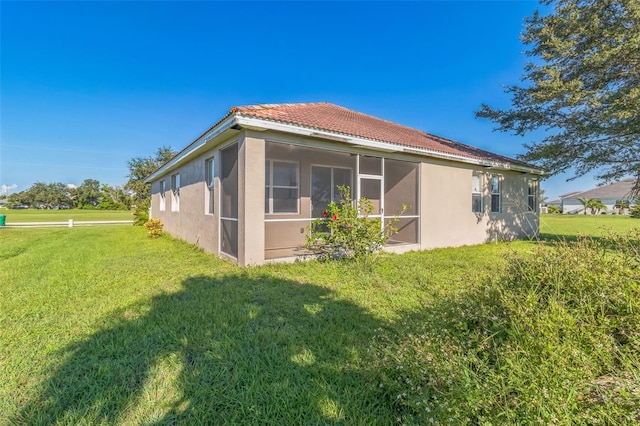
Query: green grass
[
  {"x": 104, "y": 325},
  {"x": 569, "y": 226},
  {"x": 37, "y": 215}
]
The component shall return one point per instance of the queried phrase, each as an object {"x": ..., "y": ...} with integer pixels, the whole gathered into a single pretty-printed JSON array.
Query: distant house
[
  {"x": 609, "y": 195},
  {"x": 248, "y": 188}
]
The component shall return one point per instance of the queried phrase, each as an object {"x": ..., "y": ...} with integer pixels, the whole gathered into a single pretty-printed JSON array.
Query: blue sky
[{"x": 86, "y": 86}]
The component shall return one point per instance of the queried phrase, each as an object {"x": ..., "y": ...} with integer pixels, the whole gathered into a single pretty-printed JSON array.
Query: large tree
[
  {"x": 581, "y": 87},
  {"x": 140, "y": 168},
  {"x": 87, "y": 194}
]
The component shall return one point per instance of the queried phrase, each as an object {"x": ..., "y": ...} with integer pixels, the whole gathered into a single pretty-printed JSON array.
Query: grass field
[
  {"x": 569, "y": 226},
  {"x": 103, "y": 325},
  {"x": 37, "y": 215}
]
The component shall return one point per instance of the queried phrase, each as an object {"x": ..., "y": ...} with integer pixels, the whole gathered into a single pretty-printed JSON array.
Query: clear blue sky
[{"x": 86, "y": 86}]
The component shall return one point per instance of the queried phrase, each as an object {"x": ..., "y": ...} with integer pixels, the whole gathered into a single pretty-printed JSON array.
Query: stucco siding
[
  {"x": 190, "y": 223},
  {"x": 447, "y": 218},
  {"x": 251, "y": 169},
  {"x": 438, "y": 191}
]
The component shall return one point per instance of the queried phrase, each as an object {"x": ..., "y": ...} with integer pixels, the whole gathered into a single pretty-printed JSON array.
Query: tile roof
[
  {"x": 618, "y": 190},
  {"x": 333, "y": 118}
]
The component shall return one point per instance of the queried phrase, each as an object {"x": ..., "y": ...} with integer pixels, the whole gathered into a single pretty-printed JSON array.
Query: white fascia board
[
  {"x": 193, "y": 148},
  {"x": 259, "y": 124}
]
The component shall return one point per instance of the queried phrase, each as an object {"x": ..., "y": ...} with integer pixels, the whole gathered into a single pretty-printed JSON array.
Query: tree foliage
[
  {"x": 89, "y": 195},
  {"x": 141, "y": 167},
  {"x": 582, "y": 87}
]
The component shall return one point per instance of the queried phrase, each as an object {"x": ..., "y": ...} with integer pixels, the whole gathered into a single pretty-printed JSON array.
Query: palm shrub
[
  {"x": 347, "y": 230},
  {"x": 141, "y": 212}
]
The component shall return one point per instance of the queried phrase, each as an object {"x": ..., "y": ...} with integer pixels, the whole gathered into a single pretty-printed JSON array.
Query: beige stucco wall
[
  {"x": 444, "y": 201},
  {"x": 447, "y": 219},
  {"x": 251, "y": 168},
  {"x": 192, "y": 223}
]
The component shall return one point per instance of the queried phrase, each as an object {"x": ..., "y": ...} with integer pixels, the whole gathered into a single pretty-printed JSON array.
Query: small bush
[
  {"x": 635, "y": 212},
  {"x": 155, "y": 227},
  {"x": 141, "y": 213},
  {"x": 554, "y": 209},
  {"x": 347, "y": 231},
  {"x": 553, "y": 338}
]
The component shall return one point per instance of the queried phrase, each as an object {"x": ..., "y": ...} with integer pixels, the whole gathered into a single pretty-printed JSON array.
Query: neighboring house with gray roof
[
  {"x": 249, "y": 187},
  {"x": 609, "y": 195}
]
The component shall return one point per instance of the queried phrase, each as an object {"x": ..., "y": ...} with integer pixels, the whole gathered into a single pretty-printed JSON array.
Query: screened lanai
[{"x": 300, "y": 182}]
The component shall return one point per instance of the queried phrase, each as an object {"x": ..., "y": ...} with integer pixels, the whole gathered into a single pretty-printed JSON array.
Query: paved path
[{"x": 67, "y": 224}]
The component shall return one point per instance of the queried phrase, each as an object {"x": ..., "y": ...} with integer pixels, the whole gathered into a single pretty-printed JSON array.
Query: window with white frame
[
  {"x": 495, "y": 189},
  {"x": 209, "y": 172},
  {"x": 282, "y": 187},
  {"x": 162, "y": 196},
  {"x": 325, "y": 183},
  {"x": 532, "y": 197},
  {"x": 476, "y": 193},
  {"x": 175, "y": 192}
]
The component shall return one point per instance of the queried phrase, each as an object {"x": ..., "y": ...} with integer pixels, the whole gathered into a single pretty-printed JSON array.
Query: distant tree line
[{"x": 91, "y": 194}]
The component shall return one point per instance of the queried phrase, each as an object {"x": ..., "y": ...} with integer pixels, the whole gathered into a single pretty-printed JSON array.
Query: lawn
[
  {"x": 37, "y": 215},
  {"x": 569, "y": 226},
  {"x": 104, "y": 325}
]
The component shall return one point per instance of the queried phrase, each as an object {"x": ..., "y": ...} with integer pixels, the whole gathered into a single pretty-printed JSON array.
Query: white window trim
[
  {"x": 210, "y": 179},
  {"x": 175, "y": 192},
  {"x": 499, "y": 193},
  {"x": 333, "y": 187},
  {"x": 270, "y": 187},
  {"x": 532, "y": 199},
  {"x": 163, "y": 200},
  {"x": 480, "y": 176}
]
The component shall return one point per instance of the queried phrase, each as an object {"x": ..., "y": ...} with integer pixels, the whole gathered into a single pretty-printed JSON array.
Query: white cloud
[{"x": 4, "y": 189}]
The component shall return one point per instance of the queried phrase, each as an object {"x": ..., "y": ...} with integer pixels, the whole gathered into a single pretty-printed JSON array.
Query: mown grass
[
  {"x": 104, "y": 325},
  {"x": 37, "y": 215},
  {"x": 557, "y": 226}
]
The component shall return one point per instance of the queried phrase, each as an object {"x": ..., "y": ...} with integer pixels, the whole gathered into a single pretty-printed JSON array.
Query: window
[
  {"x": 494, "y": 185},
  {"x": 281, "y": 187},
  {"x": 532, "y": 198},
  {"x": 162, "y": 196},
  {"x": 476, "y": 193},
  {"x": 324, "y": 187},
  {"x": 209, "y": 172},
  {"x": 175, "y": 192}
]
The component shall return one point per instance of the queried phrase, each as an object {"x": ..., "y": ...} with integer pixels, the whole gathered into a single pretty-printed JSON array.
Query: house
[
  {"x": 609, "y": 195},
  {"x": 248, "y": 188}
]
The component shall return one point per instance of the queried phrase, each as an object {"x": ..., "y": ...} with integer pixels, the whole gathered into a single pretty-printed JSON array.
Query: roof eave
[{"x": 194, "y": 147}]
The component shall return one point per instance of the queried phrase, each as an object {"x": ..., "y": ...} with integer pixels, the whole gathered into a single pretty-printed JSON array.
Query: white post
[{"x": 70, "y": 223}]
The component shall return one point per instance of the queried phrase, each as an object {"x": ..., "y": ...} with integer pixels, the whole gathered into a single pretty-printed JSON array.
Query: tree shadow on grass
[{"x": 237, "y": 349}]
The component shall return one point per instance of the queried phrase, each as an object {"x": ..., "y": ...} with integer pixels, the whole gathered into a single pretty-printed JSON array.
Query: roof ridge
[{"x": 239, "y": 108}]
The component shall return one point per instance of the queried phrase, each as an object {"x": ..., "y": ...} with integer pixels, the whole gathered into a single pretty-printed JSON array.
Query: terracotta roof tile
[{"x": 333, "y": 118}]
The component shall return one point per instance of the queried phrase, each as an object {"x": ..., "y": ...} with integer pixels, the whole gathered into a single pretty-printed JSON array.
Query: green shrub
[
  {"x": 554, "y": 209},
  {"x": 141, "y": 213},
  {"x": 347, "y": 231},
  {"x": 155, "y": 227},
  {"x": 553, "y": 338},
  {"x": 635, "y": 212}
]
